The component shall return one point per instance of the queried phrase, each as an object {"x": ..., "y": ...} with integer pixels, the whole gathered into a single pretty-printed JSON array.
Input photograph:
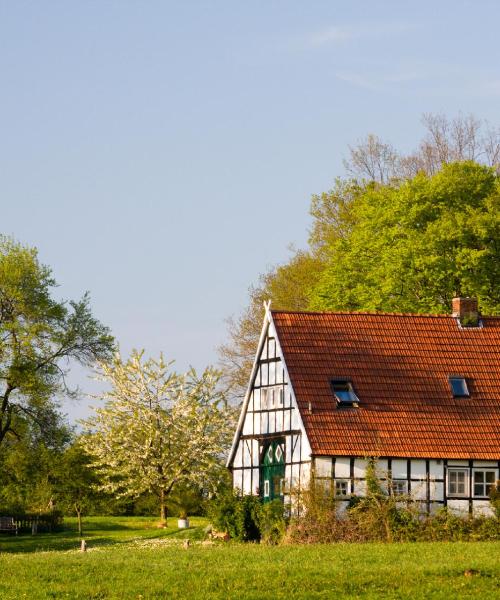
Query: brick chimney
[{"x": 466, "y": 310}]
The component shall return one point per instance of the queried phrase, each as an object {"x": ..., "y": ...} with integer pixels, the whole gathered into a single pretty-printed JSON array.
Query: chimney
[{"x": 465, "y": 309}]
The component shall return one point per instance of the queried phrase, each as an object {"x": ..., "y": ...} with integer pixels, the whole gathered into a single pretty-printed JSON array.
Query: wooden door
[{"x": 272, "y": 470}]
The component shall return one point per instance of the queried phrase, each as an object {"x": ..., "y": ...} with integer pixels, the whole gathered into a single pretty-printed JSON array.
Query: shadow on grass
[{"x": 68, "y": 539}]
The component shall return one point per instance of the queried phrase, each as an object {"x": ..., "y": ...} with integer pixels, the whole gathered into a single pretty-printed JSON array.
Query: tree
[
  {"x": 38, "y": 336},
  {"x": 158, "y": 429},
  {"x": 417, "y": 244},
  {"x": 460, "y": 139},
  {"x": 463, "y": 237},
  {"x": 288, "y": 287},
  {"x": 28, "y": 465},
  {"x": 76, "y": 483}
]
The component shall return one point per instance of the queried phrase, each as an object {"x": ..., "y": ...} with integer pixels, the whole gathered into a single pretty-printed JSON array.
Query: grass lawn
[{"x": 130, "y": 558}]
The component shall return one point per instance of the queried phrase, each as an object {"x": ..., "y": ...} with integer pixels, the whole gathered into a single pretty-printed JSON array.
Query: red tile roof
[{"x": 399, "y": 366}]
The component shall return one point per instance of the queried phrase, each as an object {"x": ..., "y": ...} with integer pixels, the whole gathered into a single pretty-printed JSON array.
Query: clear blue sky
[{"x": 163, "y": 154}]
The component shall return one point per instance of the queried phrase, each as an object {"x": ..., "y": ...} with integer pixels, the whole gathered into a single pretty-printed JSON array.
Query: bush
[
  {"x": 382, "y": 516},
  {"x": 272, "y": 522},
  {"x": 495, "y": 498},
  {"x": 237, "y": 515}
]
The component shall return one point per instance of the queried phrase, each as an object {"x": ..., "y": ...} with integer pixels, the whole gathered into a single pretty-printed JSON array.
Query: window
[
  {"x": 341, "y": 487},
  {"x": 457, "y": 482},
  {"x": 484, "y": 480},
  {"x": 399, "y": 487},
  {"x": 459, "y": 387},
  {"x": 344, "y": 392},
  {"x": 282, "y": 396},
  {"x": 266, "y": 488}
]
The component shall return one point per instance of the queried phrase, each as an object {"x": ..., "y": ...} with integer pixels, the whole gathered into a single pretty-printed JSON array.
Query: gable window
[
  {"x": 459, "y": 387},
  {"x": 484, "y": 480},
  {"x": 341, "y": 487},
  {"x": 457, "y": 482},
  {"x": 282, "y": 396},
  {"x": 344, "y": 392}
]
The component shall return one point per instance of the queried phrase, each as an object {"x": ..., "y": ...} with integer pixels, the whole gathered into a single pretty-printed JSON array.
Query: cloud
[
  {"x": 335, "y": 34},
  {"x": 331, "y": 34},
  {"x": 378, "y": 80}
]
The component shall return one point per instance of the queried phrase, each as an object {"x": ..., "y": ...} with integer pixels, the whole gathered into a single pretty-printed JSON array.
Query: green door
[{"x": 272, "y": 471}]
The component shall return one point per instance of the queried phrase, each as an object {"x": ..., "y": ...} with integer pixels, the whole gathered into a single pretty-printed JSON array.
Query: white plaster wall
[
  {"x": 399, "y": 469},
  {"x": 482, "y": 508},
  {"x": 237, "y": 456},
  {"x": 486, "y": 463},
  {"x": 238, "y": 479},
  {"x": 343, "y": 467},
  {"x": 418, "y": 469},
  {"x": 458, "y": 507},
  {"x": 247, "y": 457},
  {"x": 360, "y": 467},
  {"x": 436, "y": 469},
  {"x": 323, "y": 467},
  {"x": 247, "y": 424},
  {"x": 437, "y": 490},
  {"x": 382, "y": 468},
  {"x": 255, "y": 481},
  {"x": 247, "y": 482},
  {"x": 359, "y": 488}
]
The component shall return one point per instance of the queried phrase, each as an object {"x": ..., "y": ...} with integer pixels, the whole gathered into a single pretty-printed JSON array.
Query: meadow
[{"x": 129, "y": 557}]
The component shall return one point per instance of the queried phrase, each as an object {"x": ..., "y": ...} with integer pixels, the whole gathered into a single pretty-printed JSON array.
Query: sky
[{"x": 163, "y": 154}]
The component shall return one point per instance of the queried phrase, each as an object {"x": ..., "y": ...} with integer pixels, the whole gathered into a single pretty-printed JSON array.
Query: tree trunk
[
  {"x": 79, "y": 519},
  {"x": 163, "y": 509}
]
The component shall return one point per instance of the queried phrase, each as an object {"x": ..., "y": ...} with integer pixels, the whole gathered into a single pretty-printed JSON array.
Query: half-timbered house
[{"x": 421, "y": 393}]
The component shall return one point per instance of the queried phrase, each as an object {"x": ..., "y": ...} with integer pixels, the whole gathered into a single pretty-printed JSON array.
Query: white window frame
[
  {"x": 484, "y": 484},
  {"x": 449, "y": 482},
  {"x": 338, "y": 483},
  {"x": 266, "y": 488}
]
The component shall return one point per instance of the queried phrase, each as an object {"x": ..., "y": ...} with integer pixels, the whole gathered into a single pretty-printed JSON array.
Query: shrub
[
  {"x": 381, "y": 516},
  {"x": 495, "y": 498},
  {"x": 272, "y": 522},
  {"x": 237, "y": 515}
]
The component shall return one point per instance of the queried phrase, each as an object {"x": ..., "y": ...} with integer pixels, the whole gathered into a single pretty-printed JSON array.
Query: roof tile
[{"x": 399, "y": 366}]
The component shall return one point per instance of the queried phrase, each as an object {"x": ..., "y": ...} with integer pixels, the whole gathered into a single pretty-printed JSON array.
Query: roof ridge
[{"x": 371, "y": 313}]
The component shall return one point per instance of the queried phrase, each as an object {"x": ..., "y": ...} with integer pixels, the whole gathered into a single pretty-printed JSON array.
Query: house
[{"x": 328, "y": 390}]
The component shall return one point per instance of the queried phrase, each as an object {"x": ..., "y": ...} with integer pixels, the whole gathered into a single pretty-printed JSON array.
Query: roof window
[
  {"x": 344, "y": 392},
  {"x": 459, "y": 387}
]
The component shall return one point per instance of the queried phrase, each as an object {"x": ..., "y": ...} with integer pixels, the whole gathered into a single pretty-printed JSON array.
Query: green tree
[
  {"x": 38, "y": 336},
  {"x": 375, "y": 167},
  {"x": 28, "y": 465},
  {"x": 416, "y": 244},
  {"x": 158, "y": 429},
  {"x": 76, "y": 483}
]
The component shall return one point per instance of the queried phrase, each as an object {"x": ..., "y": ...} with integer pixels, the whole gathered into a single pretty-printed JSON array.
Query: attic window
[
  {"x": 459, "y": 387},
  {"x": 344, "y": 392}
]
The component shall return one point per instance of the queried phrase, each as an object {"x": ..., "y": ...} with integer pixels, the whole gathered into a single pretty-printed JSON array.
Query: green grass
[
  {"x": 102, "y": 531},
  {"x": 128, "y": 558}
]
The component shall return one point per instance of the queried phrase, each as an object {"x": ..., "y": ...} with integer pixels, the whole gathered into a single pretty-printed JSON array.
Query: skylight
[
  {"x": 459, "y": 387},
  {"x": 344, "y": 392}
]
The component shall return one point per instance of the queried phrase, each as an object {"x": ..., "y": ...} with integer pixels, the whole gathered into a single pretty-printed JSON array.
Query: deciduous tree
[
  {"x": 38, "y": 336},
  {"x": 158, "y": 429}
]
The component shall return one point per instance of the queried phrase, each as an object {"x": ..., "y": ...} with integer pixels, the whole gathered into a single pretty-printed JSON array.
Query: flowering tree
[{"x": 158, "y": 429}]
